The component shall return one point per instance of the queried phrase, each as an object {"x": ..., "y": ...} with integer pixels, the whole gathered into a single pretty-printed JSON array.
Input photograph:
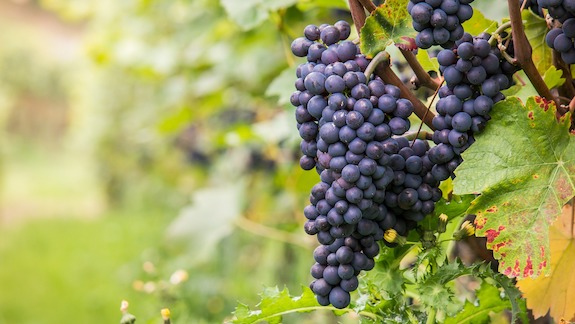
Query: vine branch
[
  {"x": 424, "y": 78},
  {"x": 367, "y": 4},
  {"x": 357, "y": 14},
  {"x": 523, "y": 51}
]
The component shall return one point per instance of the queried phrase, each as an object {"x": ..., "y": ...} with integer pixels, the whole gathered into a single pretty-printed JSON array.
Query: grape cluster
[
  {"x": 371, "y": 180},
  {"x": 439, "y": 21},
  {"x": 475, "y": 73},
  {"x": 559, "y": 9},
  {"x": 414, "y": 191},
  {"x": 561, "y": 39}
]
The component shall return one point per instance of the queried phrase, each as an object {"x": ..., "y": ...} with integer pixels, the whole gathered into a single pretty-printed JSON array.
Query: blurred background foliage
[{"x": 149, "y": 154}]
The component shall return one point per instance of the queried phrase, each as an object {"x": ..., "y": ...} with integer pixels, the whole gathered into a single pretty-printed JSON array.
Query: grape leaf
[
  {"x": 524, "y": 165},
  {"x": 389, "y": 23},
  {"x": 536, "y": 30},
  {"x": 553, "y": 77},
  {"x": 435, "y": 292},
  {"x": 489, "y": 299},
  {"x": 428, "y": 63},
  {"x": 555, "y": 292},
  {"x": 479, "y": 24},
  {"x": 275, "y": 303}
]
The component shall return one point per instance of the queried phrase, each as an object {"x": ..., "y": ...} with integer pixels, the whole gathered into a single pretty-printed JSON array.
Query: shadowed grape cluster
[
  {"x": 562, "y": 40},
  {"x": 475, "y": 73},
  {"x": 372, "y": 180},
  {"x": 559, "y": 9},
  {"x": 439, "y": 21}
]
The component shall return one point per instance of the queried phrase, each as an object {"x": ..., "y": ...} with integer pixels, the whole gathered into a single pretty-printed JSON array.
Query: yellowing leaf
[
  {"x": 536, "y": 29},
  {"x": 557, "y": 291},
  {"x": 553, "y": 77},
  {"x": 524, "y": 166}
]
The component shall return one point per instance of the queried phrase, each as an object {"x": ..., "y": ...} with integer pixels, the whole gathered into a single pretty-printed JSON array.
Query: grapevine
[{"x": 384, "y": 182}]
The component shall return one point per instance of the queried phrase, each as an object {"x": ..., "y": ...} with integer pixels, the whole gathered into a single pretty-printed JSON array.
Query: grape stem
[
  {"x": 424, "y": 78},
  {"x": 419, "y": 135},
  {"x": 381, "y": 57},
  {"x": 431, "y": 316},
  {"x": 523, "y": 51},
  {"x": 494, "y": 37}
]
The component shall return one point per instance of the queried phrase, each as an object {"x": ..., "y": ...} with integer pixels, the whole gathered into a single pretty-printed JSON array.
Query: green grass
[{"x": 70, "y": 270}]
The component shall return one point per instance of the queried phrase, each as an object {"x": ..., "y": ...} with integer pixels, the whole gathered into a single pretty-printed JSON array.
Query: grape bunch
[
  {"x": 561, "y": 39},
  {"x": 475, "y": 73},
  {"x": 439, "y": 21},
  {"x": 559, "y": 9},
  {"x": 414, "y": 190},
  {"x": 349, "y": 125}
]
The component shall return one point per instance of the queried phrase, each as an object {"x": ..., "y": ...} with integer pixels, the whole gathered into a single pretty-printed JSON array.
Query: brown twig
[
  {"x": 357, "y": 14},
  {"x": 429, "y": 106},
  {"x": 523, "y": 51},
  {"x": 424, "y": 78},
  {"x": 385, "y": 72}
]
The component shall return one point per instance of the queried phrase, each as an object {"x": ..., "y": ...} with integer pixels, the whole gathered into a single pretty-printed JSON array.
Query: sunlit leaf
[
  {"x": 275, "y": 303},
  {"x": 555, "y": 293},
  {"x": 428, "y": 63},
  {"x": 524, "y": 166},
  {"x": 479, "y": 24},
  {"x": 390, "y": 23},
  {"x": 536, "y": 29},
  {"x": 553, "y": 77}
]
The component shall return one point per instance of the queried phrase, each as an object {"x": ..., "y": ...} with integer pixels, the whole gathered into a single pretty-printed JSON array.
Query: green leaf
[
  {"x": 489, "y": 299},
  {"x": 390, "y": 23},
  {"x": 479, "y": 24},
  {"x": 435, "y": 292},
  {"x": 553, "y": 77},
  {"x": 428, "y": 64},
  {"x": 455, "y": 207},
  {"x": 249, "y": 14},
  {"x": 282, "y": 86},
  {"x": 536, "y": 30},
  {"x": 524, "y": 165},
  {"x": 275, "y": 303}
]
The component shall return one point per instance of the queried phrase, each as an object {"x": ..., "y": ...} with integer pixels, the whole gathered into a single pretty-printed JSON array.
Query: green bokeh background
[{"x": 148, "y": 154}]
